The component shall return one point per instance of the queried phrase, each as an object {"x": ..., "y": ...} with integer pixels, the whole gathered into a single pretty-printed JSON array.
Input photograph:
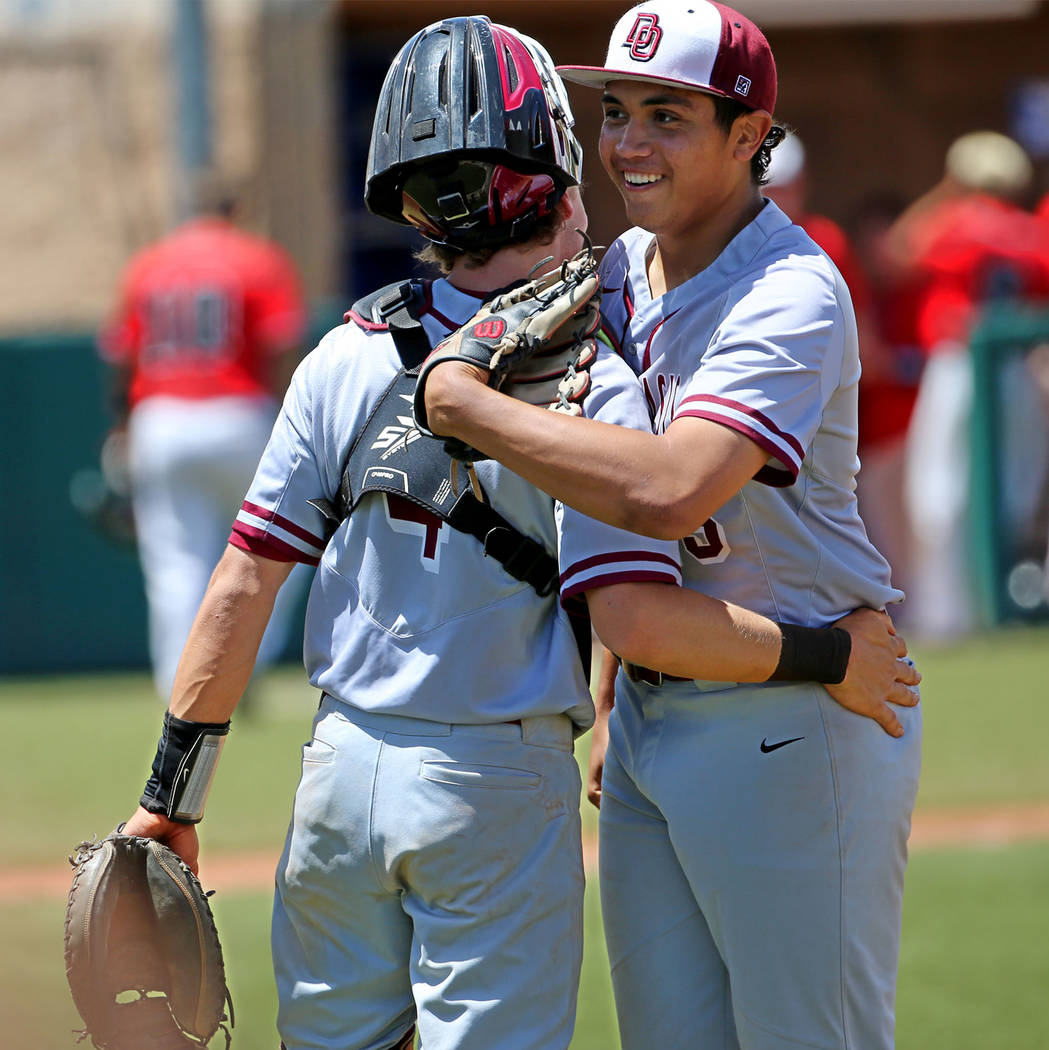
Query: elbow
[{"x": 660, "y": 516}]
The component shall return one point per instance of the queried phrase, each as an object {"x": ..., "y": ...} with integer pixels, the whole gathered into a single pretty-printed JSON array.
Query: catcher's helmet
[{"x": 472, "y": 140}]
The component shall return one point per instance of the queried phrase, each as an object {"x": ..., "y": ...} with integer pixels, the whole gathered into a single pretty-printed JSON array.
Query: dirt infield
[{"x": 980, "y": 828}]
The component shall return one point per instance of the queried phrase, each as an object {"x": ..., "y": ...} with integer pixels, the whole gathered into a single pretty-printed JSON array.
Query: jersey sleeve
[
  {"x": 276, "y": 519},
  {"x": 774, "y": 362},
  {"x": 591, "y": 553}
]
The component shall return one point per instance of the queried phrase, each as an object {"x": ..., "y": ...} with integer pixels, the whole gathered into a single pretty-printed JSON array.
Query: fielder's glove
[
  {"x": 536, "y": 342},
  {"x": 143, "y": 957}
]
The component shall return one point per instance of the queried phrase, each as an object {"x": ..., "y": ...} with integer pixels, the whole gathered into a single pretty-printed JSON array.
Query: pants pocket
[
  {"x": 318, "y": 752},
  {"x": 468, "y": 775}
]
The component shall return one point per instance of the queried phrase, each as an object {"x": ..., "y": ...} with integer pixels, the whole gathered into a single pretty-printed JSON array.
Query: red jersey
[
  {"x": 971, "y": 251},
  {"x": 201, "y": 310},
  {"x": 885, "y": 402}
]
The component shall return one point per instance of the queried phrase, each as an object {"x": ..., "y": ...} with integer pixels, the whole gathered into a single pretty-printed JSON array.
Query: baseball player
[
  {"x": 753, "y": 838},
  {"x": 432, "y": 871},
  {"x": 203, "y": 340}
]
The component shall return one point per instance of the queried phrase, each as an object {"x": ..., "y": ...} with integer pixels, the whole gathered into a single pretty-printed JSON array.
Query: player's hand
[
  {"x": 598, "y": 747},
  {"x": 181, "y": 838},
  {"x": 878, "y": 675}
]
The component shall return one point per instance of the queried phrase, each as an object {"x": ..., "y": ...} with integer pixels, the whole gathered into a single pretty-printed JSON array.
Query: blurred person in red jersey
[
  {"x": 885, "y": 396},
  {"x": 892, "y": 366},
  {"x": 203, "y": 340},
  {"x": 969, "y": 242}
]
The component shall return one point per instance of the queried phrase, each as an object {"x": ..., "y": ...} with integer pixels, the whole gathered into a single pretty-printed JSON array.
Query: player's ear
[
  {"x": 571, "y": 213},
  {"x": 748, "y": 132}
]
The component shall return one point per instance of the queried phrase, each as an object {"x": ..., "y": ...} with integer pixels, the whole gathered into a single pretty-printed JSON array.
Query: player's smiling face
[{"x": 667, "y": 155}]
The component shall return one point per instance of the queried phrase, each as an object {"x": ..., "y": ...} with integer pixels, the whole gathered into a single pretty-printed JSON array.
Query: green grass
[
  {"x": 84, "y": 744},
  {"x": 974, "y": 968},
  {"x": 986, "y": 715}
]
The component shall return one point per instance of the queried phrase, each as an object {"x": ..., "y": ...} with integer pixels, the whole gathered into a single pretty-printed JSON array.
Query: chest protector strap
[{"x": 391, "y": 456}]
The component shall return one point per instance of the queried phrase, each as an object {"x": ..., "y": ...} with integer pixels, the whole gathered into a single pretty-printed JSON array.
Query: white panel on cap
[{"x": 688, "y": 45}]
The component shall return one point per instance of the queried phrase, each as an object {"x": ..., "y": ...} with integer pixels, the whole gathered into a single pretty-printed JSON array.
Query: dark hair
[
  {"x": 726, "y": 112},
  {"x": 444, "y": 257}
]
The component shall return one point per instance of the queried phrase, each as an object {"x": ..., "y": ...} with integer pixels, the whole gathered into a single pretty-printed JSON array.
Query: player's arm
[
  {"x": 212, "y": 674},
  {"x": 689, "y": 635},
  {"x": 604, "y": 701},
  {"x": 664, "y": 485},
  {"x": 219, "y": 656}
]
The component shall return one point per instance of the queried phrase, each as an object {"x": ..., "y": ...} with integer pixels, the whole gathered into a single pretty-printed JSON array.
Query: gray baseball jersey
[
  {"x": 400, "y": 598},
  {"x": 762, "y": 341}
]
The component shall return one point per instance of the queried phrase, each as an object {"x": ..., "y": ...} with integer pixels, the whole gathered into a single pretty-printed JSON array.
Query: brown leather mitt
[{"x": 143, "y": 958}]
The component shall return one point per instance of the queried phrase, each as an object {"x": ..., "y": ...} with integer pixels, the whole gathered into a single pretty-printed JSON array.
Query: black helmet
[{"x": 472, "y": 140}]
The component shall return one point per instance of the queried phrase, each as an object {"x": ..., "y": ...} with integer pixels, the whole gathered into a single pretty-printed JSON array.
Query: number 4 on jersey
[{"x": 410, "y": 519}]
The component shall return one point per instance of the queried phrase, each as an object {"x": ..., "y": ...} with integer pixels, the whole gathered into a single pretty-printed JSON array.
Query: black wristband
[
  {"x": 812, "y": 654},
  {"x": 183, "y": 768}
]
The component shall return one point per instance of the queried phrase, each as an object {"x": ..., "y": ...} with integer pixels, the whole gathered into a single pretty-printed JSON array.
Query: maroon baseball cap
[{"x": 692, "y": 44}]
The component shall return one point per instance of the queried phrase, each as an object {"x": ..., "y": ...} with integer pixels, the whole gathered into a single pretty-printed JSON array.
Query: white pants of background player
[
  {"x": 753, "y": 846},
  {"x": 191, "y": 463},
  {"x": 433, "y": 874}
]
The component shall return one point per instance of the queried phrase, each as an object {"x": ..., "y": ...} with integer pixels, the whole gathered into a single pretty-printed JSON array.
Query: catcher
[{"x": 432, "y": 873}]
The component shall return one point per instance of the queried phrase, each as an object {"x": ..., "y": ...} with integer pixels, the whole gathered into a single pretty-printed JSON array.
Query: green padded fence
[
  {"x": 1008, "y": 566},
  {"x": 70, "y": 599}
]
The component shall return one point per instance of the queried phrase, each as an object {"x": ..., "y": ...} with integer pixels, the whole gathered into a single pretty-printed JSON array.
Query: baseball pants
[
  {"x": 191, "y": 463},
  {"x": 753, "y": 846},
  {"x": 432, "y": 872}
]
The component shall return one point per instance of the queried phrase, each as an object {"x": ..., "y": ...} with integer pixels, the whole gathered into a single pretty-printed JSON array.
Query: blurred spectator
[
  {"x": 886, "y": 392},
  {"x": 968, "y": 241},
  {"x": 788, "y": 186},
  {"x": 892, "y": 363},
  {"x": 203, "y": 340}
]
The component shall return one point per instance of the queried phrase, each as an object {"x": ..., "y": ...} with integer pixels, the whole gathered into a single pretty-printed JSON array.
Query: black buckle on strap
[{"x": 522, "y": 557}]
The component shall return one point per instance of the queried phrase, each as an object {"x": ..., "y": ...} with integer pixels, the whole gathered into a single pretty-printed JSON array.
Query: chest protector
[{"x": 390, "y": 455}]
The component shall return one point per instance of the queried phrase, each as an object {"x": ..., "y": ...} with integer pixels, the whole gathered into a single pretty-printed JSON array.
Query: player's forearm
[
  {"x": 620, "y": 476},
  {"x": 684, "y": 633},
  {"x": 219, "y": 656}
]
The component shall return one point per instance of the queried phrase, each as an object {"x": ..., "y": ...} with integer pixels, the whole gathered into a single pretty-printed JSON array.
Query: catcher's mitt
[
  {"x": 143, "y": 957},
  {"x": 535, "y": 341}
]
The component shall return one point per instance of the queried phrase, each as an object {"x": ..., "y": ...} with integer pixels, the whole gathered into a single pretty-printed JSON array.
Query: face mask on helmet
[
  {"x": 477, "y": 204},
  {"x": 472, "y": 140}
]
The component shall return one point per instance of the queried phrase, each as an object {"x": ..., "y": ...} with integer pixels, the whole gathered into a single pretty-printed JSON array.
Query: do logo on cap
[{"x": 644, "y": 38}]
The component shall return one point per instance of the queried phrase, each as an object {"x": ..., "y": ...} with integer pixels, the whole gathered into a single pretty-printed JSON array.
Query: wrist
[
  {"x": 812, "y": 654},
  {"x": 445, "y": 394},
  {"x": 184, "y": 768}
]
